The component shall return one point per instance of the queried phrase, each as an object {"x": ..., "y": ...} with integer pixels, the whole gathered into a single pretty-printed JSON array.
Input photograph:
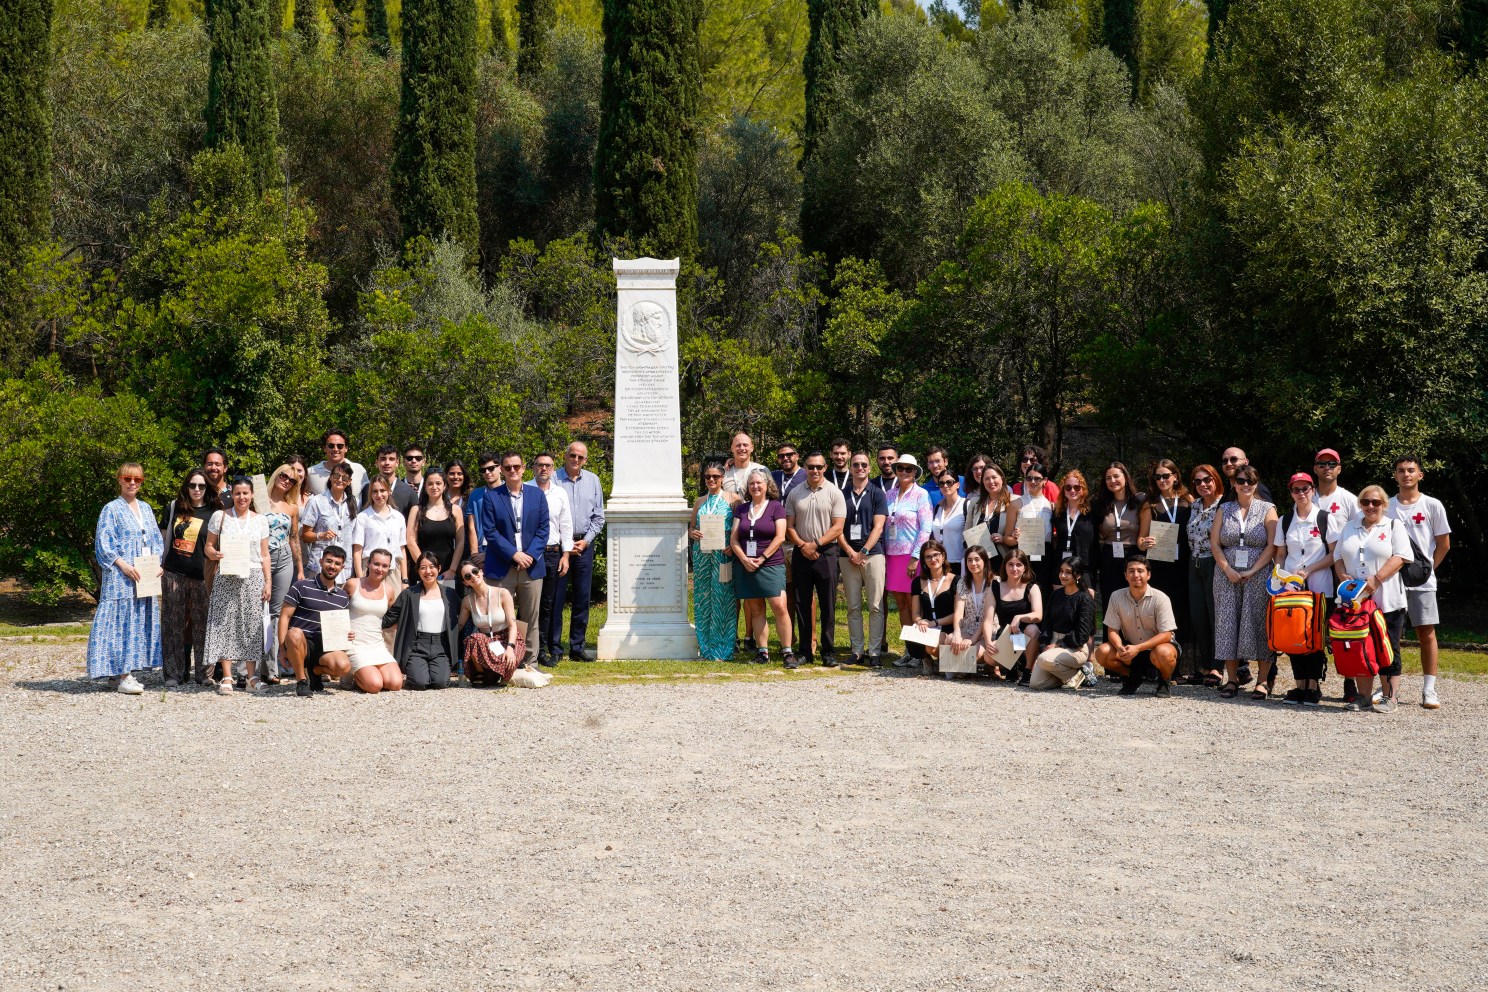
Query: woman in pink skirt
[{"x": 905, "y": 533}]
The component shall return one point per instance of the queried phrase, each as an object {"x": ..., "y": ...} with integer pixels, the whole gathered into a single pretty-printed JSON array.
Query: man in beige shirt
[
  {"x": 1139, "y": 632},
  {"x": 814, "y": 514}
]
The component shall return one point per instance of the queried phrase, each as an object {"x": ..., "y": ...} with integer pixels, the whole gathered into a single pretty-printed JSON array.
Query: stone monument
[{"x": 646, "y": 515}]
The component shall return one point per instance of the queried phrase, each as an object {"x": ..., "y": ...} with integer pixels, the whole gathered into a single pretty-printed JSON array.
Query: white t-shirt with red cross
[
  {"x": 1341, "y": 506},
  {"x": 1426, "y": 519}
]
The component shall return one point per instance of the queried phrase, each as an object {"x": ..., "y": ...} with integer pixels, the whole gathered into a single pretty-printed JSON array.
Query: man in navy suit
[{"x": 514, "y": 531}]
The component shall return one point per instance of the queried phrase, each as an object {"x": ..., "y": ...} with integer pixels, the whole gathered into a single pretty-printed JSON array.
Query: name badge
[
  {"x": 751, "y": 549},
  {"x": 855, "y": 532},
  {"x": 1020, "y": 641},
  {"x": 1118, "y": 550},
  {"x": 726, "y": 572},
  {"x": 1242, "y": 558}
]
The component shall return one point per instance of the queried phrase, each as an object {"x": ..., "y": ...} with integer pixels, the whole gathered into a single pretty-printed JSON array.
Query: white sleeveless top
[
  {"x": 495, "y": 620},
  {"x": 368, "y": 647}
]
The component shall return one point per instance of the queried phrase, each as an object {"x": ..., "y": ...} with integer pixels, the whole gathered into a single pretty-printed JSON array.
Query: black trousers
[
  {"x": 550, "y": 643},
  {"x": 428, "y": 665},
  {"x": 818, "y": 578}
]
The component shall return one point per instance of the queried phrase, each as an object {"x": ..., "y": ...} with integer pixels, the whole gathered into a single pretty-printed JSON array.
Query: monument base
[{"x": 646, "y": 554}]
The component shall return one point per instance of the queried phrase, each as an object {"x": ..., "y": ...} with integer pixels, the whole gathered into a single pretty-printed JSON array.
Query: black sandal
[
  {"x": 1213, "y": 681},
  {"x": 1229, "y": 690}
]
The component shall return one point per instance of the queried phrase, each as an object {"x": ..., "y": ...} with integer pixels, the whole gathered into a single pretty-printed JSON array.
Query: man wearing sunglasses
[
  {"x": 789, "y": 475},
  {"x": 586, "y": 502},
  {"x": 1336, "y": 501},
  {"x": 335, "y": 446},
  {"x": 1231, "y": 462},
  {"x": 814, "y": 515},
  {"x": 514, "y": 525}
]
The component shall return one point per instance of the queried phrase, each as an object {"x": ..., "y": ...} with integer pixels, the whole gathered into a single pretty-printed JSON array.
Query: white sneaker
[
  {"x": 130, "y": 686},
  {"x": 1377, "y": 698},
  {"x": 1087, "y": 670},
  {"x": 1429, "y": 700}
]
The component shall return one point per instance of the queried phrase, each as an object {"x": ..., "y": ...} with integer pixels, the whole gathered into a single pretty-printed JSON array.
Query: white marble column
[{"x": 646, "y": 514}]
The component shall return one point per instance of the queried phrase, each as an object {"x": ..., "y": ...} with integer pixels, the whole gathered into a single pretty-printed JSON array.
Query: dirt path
[{"x": 861, "y": 832}]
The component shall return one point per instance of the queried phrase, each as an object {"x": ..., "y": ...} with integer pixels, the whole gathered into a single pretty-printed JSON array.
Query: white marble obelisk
[{"x": 646, "y": 515}]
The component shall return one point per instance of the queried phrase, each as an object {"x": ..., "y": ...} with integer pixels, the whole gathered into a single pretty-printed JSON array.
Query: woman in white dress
[
  {"x": 373, "y": 666},
  {"x": 235, "y": 603},
  {"x": 379, "y": 526}
]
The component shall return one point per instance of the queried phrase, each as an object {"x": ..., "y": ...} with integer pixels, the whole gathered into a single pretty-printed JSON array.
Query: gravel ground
[{"x": 861, "y": 832}]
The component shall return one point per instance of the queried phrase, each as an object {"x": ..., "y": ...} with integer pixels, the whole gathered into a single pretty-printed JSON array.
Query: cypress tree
[
  {"x": 434, "y": 157},
  {"x": 377, "y": 27},
  {"x": 158, "y": 15},
  {"x": 535, "y": 20},
  {"x": 1217, "y": 10},
  {"x": 307, "y": 22},
  {"x": 500, "y": 34},
  {"x": 25, "y": 135},
  {"x": 342, "y": 12},
  {"x": 1119, "y": 30},
  {"x": 833, "y": 23},
  {"x": 1475, "y": 29},
  {"x": 241, "y": 109},
  {"x": 645, "y": 167}
]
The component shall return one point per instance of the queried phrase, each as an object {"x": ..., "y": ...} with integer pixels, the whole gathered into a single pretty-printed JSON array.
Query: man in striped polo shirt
[{"x": 299, "y": 625}]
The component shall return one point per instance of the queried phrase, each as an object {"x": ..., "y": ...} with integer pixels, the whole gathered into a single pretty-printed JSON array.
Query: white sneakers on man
[
  {"x": 1429, "y": 700},
  {"x": 130, "y": 686}
]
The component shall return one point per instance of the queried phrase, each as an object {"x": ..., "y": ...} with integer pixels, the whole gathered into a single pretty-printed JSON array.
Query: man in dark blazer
[{"x": 514, "y": 533}]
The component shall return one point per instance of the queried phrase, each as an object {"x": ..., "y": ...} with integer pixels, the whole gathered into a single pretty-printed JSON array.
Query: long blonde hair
[{"x": 293, "y": 496}]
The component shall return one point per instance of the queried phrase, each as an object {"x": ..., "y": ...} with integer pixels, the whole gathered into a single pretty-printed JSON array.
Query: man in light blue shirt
[{"x": 586, "y": 504}]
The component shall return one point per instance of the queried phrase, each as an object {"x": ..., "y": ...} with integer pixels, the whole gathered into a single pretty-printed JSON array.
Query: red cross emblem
[
  {"x": 1382, "y": 537},
  {"x": 1419, "y": 516},
  {"x": 1334, "y": 507},
  {"x": 1314, "y": 532}
]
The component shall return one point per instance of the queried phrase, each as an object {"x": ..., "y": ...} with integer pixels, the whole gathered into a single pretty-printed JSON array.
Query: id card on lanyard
[
  {"x": 1118, "y": 549},
  {"x": 751, "y": 546},
  {"x": 855, "y": 532},
  {"x": 1242, "y": 553}
]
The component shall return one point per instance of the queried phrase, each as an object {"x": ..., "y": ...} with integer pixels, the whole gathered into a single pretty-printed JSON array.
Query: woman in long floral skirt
[
  {"x": 713, "y": 603},
  {"x": 125, "y": 637}
]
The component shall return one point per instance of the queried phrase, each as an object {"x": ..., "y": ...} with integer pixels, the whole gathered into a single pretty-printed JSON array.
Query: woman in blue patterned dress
[
  {"x": 715, "y": 610},
  {"x": 125, "y": 637}
]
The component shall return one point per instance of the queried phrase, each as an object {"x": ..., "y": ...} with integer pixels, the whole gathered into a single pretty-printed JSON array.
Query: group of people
[
  {"x": 1016, "y": 566},
  {"x": 437, "y": 572}
]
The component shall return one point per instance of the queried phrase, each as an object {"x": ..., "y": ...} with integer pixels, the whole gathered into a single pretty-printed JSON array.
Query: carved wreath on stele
[{"x": 644, "y": 331}]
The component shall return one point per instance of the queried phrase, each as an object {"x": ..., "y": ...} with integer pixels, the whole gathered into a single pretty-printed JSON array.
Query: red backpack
[
  {"x": 1359, "y": 640},
  {"x": 1294, "y": 623}
]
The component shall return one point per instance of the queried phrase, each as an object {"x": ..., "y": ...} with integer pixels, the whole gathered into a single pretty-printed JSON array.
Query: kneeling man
[
  {"x": 299, "y": 625},
  {"x": 1139, "y": 632}
]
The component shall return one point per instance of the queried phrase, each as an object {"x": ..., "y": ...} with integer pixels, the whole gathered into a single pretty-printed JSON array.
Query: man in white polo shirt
[{"x": 1425, "y": 520}]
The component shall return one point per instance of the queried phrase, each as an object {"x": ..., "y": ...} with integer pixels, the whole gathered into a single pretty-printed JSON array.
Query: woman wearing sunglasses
[
  {"x": 715, "y": 609},
  {"x": 1208, "y": 490},
  {"x": 1374, "y": 547},
  {"x": 1241, "y": 539},
  {"x": 1072, "y": 532},
  {"x": 1168, "y": 502},
  {"x": 905, "y": 533},
  {"x": 491, "y": 652},
  {"x": 1305, "y": 545},
  {"x": 183, "y": 586},
  {"x": 125, "y": 636}
]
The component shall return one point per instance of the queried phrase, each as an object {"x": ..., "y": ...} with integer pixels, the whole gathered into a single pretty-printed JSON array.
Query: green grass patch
[{"x": 52, "y": 632}]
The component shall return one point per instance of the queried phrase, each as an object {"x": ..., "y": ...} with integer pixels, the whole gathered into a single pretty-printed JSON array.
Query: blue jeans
[{"x": 573, "y": 590}]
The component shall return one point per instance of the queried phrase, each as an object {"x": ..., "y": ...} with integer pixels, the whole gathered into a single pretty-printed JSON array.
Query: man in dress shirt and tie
[
  {"x": 514, "y": 531},
  {"x": 555, "y": 558},
  {"x": 586, "y": 503}
]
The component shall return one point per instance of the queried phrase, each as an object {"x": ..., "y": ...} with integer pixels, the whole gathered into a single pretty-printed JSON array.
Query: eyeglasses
[
  {"x": 948, "y": 482},
  {"x": 196, "y": 485},
  {"x": 1162, "y": 475},
  {"x": 1371, "y": 502},
  {"x": 413, "y": 458},
  {"x": 543, "y": 465},
  {"x": 1300, "y": 490},
  {"x": 786, "y": 454},
  {"x": 1247, "y": 485},
  {"x": 712, "y": 477},
  {"x": 511, "y": 468},
  {"x": 489, "y": 468},
  {"x": 904, "y": 470},
  {"x": 859, "y": 464},
  {"x": 1326, "y": 464},
  {"x": 1025, "y": 459},
  {"x": 576, "y": 458},
  {"x": 131, "y": 478},
  {"x": 1033, "y": 480},
  {"x": 335, "y": 447},
  {"x": 1203, "y": 480},
  {"x": 816, "y": 468},
  {"x": 1073, "y": 487},
  {"x": 933, "y": 554},
  {"x": 1232, "y": 461},
  {"x": 468, "y": 577}
]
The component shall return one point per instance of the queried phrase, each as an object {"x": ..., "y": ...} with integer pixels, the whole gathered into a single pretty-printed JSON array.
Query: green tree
[
  {"x": 535, "y": 20},
  {"x": 241, "y": 108},
  {"x": 501, "y": 47},
  {"x": 307, "y": 22},
  {"x": 158, "y": 14},
  {"x": 61, "y": 444},
  {"x": 864, "y": 310},
  {"x": 25, "y": 135},
  {"x": 434, "y": 161},
  {"x": 645, "y": 169},
  {"x": 1473, "y": 16},
  {"x": 1119, "y": 33},
  {"x": 377, "y": 27},
  {"x": 833, "y": 25},
  {"x": 1217, "y": 11}
]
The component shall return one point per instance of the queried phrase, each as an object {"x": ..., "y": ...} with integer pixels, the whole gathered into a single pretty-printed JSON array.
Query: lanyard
[
  {"x": 936, "y": 588},
  {"x": 1118, "y": 509},
  {"x": 976, "y": 595},
  {"x": 857, "y": 502},
  {"x": 754, "y": 516},
  {"x": 1069, "y": 528},
  {"x": 1172, "y": 511},
  {"x": 1240, "y": 515}
]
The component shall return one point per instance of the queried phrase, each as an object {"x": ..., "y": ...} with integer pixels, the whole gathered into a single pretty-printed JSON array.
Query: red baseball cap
[
  {"x": 1325, "y": 453},
  {"x": 1299, "y": 477}
]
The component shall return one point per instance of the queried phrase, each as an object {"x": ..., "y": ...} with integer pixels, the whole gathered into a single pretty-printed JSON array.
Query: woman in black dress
[
  {"x": 437, "y": 526},
  {"x": 1169, "y": 502},
  {"x": 933, "y": 601},
  {"x": 1073, "y": 530},
  {"x": 1019, "y": 607}
]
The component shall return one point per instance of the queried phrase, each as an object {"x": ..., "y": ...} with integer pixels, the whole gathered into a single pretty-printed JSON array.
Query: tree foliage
[
  {"x": 535, "y": 22},
  {"x": 241, "y": 106},
  {"x": 25, "y": 133}
]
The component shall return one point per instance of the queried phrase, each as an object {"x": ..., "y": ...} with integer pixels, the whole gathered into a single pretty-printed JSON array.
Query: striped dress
[
  {"x": 125, "y": 636},
  {"x": 713, "y": 602}
]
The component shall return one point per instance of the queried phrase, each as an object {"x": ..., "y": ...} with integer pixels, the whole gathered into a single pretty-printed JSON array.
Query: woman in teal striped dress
[{"x": 714, "y": 610}]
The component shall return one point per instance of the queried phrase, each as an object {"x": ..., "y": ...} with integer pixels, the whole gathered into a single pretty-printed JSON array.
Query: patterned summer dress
[
  {"x": 1240, "y": 610},
  {"x": 713, "y": 602},
  {"x": 125, "y": 636}
]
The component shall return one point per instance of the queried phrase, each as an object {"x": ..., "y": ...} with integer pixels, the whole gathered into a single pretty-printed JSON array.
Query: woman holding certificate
[
  {"x": 1241, "y": 539},
  {"x": 987, "y": 507},
  {"x": 972, "y": 602},
  {"x": 1162, "y": 530},
  {"x": 1031, "y": 527},
  {"x": 715, "y": 610},
  {"x": 125, "y": 637},
  {"x": 183, "y": 585},
  {"x": 905, "y": 532},
  {"x": 933, "y": 607},
  {"x": 758, "y": 536},
  {"x": 1018, "y": 607},
  {"x": 239, "y": 583},
  {"x": 1118, "y": 517}
]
